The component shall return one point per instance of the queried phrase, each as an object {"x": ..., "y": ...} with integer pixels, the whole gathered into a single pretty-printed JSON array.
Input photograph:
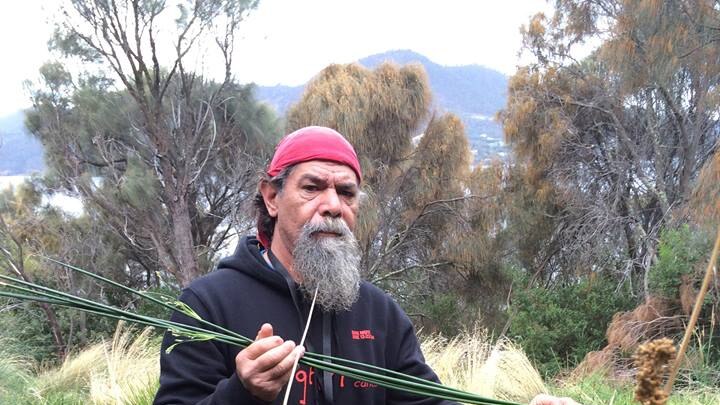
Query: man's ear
[{"x": 269, "y": 194}]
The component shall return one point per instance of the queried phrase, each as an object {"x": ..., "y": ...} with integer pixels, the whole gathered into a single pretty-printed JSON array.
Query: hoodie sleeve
[
  {"x": 410, "y": 360},
  {"x": 198, "y": 372}
]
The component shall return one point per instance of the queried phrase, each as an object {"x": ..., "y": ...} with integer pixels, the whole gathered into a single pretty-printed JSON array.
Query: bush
[
  {"x": 680, "y": 251},
  {"x": 557, "y": 327}
]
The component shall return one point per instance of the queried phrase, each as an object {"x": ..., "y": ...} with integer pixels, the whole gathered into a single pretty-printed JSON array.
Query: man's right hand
[{"x": 264, "y": 367}]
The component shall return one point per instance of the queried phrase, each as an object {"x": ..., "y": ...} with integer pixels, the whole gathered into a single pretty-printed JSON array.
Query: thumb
[{"x": 266, "y": 330}]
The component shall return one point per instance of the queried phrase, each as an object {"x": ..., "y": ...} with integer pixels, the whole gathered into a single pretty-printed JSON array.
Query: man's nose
[{"x": 331, "y": 205}]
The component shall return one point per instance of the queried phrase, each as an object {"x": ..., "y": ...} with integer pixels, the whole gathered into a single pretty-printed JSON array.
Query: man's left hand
[{"x": 544, "y": 399}]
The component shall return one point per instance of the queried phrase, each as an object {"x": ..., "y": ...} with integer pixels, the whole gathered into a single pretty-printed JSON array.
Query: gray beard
[{"x": 329, "y": 264}]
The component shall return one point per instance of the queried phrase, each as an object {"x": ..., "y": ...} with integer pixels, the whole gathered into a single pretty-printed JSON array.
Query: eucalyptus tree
[{"x": 165, "y": 153}]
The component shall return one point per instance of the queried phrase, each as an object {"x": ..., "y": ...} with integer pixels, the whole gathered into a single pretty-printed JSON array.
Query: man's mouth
[{"x": 326, "y": 234}]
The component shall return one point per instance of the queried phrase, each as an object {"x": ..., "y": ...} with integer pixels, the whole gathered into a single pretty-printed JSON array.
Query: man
[{"x": 305, "y": 250}]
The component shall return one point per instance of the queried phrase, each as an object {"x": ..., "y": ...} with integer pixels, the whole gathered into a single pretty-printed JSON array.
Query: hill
[
  {"x": 472, "y": 92},
  {"x": 20, "y": 152}
]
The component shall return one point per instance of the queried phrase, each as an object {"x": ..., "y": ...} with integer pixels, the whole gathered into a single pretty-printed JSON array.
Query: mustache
[{"x": 328, "y": 225}]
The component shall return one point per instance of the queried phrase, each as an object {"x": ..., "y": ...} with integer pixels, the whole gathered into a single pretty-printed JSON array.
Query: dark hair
[{"x": 266, "y": 223}]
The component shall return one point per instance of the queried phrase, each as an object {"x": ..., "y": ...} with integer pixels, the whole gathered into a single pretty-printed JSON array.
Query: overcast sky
[{"x": 288, "y": 41}]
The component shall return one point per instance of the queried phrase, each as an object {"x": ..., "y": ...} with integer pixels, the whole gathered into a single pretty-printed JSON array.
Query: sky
[{"x": 289, "y": 41}]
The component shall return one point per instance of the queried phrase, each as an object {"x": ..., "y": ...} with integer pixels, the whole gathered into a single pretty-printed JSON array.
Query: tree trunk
[
  {"x": 183, "y": 247},
  {"x": 56, "y": 331}
]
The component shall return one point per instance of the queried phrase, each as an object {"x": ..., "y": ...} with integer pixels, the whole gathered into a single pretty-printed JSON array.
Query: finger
[
  {"x": 260, "y": 347},
  {"x": 266, "y": 330},
  {"x": 281, "y": 372},
  {"x": 273, "y": 357}
]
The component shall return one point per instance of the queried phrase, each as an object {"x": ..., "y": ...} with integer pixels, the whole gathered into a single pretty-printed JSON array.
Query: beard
[{"x": 330, "y": 264}]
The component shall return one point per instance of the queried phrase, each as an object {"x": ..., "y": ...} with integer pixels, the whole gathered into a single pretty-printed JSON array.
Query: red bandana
[{"x": 311, "y": 143}]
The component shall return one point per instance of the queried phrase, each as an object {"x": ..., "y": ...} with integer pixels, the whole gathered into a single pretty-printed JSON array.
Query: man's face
[
  {"x": 315, "y": 214},
  {"x": 314, "y": 190}
]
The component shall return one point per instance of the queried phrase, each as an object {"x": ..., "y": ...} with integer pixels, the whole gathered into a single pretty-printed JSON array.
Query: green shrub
[
  {"x": 27, "y": 323},
  {"x": 557, "y": 327},
  {"x": 443, "y": 315},
  {"x": 680, "y": 251}
]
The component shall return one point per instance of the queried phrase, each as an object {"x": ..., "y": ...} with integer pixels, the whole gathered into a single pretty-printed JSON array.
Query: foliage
[
  {"x": 702, "y": 365},
  {"x": 609, "y": 146},
  {"x": 598, "y": 390},
  {"x": 163, "y": 155},
  {"x": 681, "y": 252},
  {"x": 14, "y": 371},
  {"x": 557, "y": 327},
  {"x": 436, "y": 310},
  {"x": 428, "y": 226},
  {"x": 26, "y": 323},
  {"x": 31, "y": 229}
]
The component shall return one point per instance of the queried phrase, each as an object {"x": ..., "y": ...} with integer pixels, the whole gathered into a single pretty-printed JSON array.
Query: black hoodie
[{"x": 245, "y": 292}]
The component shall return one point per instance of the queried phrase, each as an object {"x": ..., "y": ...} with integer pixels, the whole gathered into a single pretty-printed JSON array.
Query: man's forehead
[
  {"x": 325, "y": 170},
  {"x": 313, "y": 143}
]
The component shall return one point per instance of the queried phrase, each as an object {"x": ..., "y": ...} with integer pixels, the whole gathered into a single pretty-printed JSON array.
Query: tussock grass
[
  {"x": 122, "y": 371},
  {"x": 131, "y": 368},
  {"x": 472, "y": 362},
  {"x": 73, "y": 375}
]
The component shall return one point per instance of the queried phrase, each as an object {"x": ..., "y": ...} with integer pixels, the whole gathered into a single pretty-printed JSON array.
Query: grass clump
[
  {"x": 124, "y": 370},
  {"x": 15, "y": 373},
  {"x": 472, "y": 362}
]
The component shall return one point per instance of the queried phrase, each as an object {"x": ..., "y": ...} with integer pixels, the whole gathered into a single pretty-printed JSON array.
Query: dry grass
[
  {"x": 108, "y": 372},
  {"x": 652, "y": 319},
  {"x": 131, "y": 366},
  {"x": 74, "y": 374},
  {"x": 473, "y": 363}
]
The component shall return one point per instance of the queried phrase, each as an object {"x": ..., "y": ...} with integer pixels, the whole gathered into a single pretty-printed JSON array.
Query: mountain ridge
[
  {"x": 20, "y": 152},
  {"x": 472, "y": 92}
]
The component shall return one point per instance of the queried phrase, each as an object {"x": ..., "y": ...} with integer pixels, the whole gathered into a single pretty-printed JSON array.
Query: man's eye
[
  {"x": 348, "y": 193},
  {"x": 309, "y": 187}
]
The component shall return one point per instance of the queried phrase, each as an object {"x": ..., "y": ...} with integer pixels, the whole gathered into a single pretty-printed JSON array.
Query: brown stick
[{"x": 695, "y": 314}]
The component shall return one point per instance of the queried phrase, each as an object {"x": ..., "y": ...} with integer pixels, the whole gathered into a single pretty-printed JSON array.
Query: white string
[{"x": 302, "y": 343}]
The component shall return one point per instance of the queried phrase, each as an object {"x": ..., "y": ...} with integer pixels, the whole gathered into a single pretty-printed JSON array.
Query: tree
[
  {"x": 17, "y": 219},
  {"x": 164, "y": 154},
  {"x": 612, "y": 144}
]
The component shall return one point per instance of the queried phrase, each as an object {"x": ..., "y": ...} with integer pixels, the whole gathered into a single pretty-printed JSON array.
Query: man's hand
[
  {"x": 264, "y": 367},
  {"x": 544, "y": 399}
]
